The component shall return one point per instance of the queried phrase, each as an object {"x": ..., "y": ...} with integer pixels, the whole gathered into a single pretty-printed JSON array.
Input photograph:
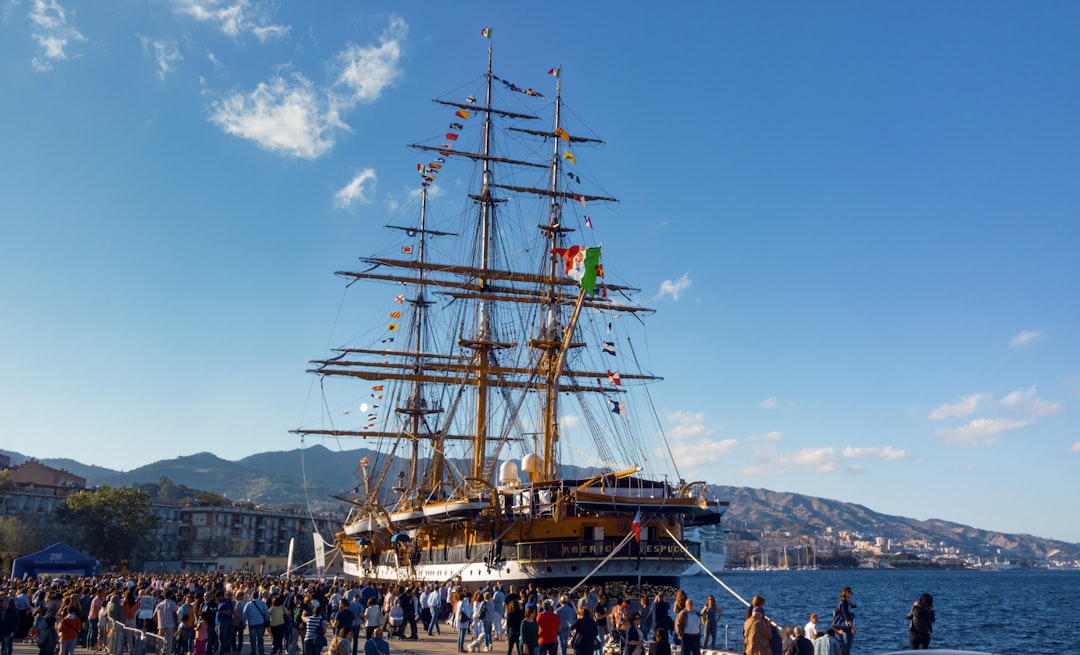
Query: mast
[
  {"x": 552, "y": 343},
  {"x": 484, "y": 336}
]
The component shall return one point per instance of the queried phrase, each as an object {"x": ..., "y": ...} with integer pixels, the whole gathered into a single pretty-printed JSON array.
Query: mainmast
[
  {"x": 483, "y": 342},
  {"x": 551, "y": 340}
]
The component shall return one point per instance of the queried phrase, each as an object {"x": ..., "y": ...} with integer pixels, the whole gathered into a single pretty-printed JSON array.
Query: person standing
[
  {"x": 375, "y": 644},
  {"x": 799, "y": 644},
  {"x": 223, "y": 621},
  {"x": 922, "y": 622},
  {"x": 165, "y": 617},
  {"x": 70, "y": 626},
  {"x": 530, "y": 632},
  {"x": 844, "y": 620},
  {"x": 710, "y": 616},
  {"x": 373, "y": 617},
  {"x": 568, "y": 616},
  {"x": 810, "y": 629},
  {"x": 585, "y": 633},
  {"x": 688, "y": 627},
  {"x": 256, "y": 616},
  {"x": 314, "y": 632},
  {"x": 828, "y": 644},
  {"x": 757, "y": 633},
  {"x": 434, "y": 600},
  {"x": 548, "y": 624},
  {"x": 514, "y": 616},
  {"x": 462, "y": 619},
  {"x": 9, "y": 624}
]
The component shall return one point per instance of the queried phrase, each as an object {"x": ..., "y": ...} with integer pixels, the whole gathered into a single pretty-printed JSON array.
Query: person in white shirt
[{"x": 811, "y": 628}]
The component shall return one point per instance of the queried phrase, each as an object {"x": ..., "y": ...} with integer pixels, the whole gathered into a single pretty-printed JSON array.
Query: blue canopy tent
[{"x": 57, "y": 559}]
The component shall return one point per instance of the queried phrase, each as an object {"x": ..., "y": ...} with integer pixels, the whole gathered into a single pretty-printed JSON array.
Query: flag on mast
[{"x": 637, "y": 526}]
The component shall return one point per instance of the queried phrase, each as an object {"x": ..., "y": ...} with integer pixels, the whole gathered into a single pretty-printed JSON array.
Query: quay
[{"x": 444, "y": 644}]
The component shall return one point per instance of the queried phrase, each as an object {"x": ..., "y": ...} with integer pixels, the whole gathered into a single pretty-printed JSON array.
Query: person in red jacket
[{"x": 70, "y": 626}]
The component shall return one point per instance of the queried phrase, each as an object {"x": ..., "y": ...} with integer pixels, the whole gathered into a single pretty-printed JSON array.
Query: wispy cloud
[
  {"x": 767, "y": 461},
  {"x": 358, "y": 190},
  {"x": 1075, "y": 448},
  {"x": 887, "y": 453},
  {"x": 365, "y": 71},
  {"x": 769, "y": 403},
  {"x": 569, "y": 421},
  {"x": 282, "y": 115},
  {"x": 165, "y": 53},
  {"x": 674, "y": 288},
  {"x": 768, "y": 436},
  {"x": 234, "y": 17},
  {"x": 687, "y": 424},
  {"x": 963, "y": 408},
  {"x": 53, "y": 30},
  {"x": 1025, "y": 338},
  {"x": 1027, "y": 402},
  {"x": 290, "y": 116},
  {"x": 981, "y": 431},
  {"x": 690, "y": 444}
]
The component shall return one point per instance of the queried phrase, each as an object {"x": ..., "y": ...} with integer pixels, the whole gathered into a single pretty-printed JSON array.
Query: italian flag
[{"x": 486, "y": 32}]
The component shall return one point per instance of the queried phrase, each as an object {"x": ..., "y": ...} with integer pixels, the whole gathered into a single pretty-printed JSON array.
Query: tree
[{"x": 109, "y": 523}]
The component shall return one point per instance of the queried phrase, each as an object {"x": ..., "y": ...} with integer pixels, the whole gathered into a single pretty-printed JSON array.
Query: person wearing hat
[{"x": 757, "y": 633}]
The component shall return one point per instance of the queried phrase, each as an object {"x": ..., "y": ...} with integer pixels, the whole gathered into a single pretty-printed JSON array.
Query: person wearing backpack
[
  {"x": 844, "y": 620},
  {"x": 922, "y": 622}
]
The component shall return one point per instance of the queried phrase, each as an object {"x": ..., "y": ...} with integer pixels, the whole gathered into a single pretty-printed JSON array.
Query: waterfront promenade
[{"x": 444, "y": 644}]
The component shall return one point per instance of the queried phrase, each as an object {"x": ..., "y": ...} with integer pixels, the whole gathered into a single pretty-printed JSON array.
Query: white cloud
[
  {"x": 367, "y": 70},
  {"x": 688, "y": 424},
  {"x": 768, "y": 436},
  {"x": 53, "y": 32},
  {"x": 358, "y": 190},
  {"x": 886, "y": 453},
  {"x": 767, "y": 462},
  {"x": 968, "y": 468},
  {"x": 1026, "y": 337},
  {"x": 691, "y": 456},
  {"x": 1075, "y": 448},
  {"x": 674, "y": 288},
  {"x": 982, "y": 431},
  {"x": 291, "y": 116},
  {"x": 690, "y": 444},
  {"x": 963, "y": 408},
  {"x": 165, "y": 53},
  {"x": 769, "y": 403},
  {"x": 233, "y": 17},
  {"x": 1027, "y": 402},
  {"x": 281, "y": 115},
  {"x": 569, "y": 421}
]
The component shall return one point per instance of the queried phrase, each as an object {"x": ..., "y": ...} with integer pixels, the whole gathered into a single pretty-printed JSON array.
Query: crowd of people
[{"x": 217, "y": 613}]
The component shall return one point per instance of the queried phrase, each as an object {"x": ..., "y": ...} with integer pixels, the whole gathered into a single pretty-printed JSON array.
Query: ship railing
[{"x": 660, "y": 549}]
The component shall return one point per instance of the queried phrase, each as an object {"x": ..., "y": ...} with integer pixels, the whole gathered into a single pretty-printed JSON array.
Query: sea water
[{"x": 1015, "y": 612}]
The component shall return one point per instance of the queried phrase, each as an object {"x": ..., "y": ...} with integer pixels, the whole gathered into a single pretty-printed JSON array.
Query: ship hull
[{"x": 557, "y": 550}]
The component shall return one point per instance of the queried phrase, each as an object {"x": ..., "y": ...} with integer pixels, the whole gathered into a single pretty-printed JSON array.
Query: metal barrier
[{"x": 119, "y": 639}]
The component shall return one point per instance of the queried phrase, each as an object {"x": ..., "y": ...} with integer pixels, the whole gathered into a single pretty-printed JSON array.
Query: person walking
[
  {"x": 922, "y": 622},
  {"x": 844, "y": 620}
]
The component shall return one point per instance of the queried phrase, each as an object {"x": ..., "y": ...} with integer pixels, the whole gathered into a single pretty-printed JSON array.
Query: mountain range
[{"x": 312, "y": 475}]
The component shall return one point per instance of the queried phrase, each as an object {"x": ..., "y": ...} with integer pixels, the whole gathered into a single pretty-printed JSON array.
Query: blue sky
[{"x": 858, "y": 223}]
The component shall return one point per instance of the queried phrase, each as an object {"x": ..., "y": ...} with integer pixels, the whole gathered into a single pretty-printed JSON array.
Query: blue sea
[{"x": 1017, "y": 612}]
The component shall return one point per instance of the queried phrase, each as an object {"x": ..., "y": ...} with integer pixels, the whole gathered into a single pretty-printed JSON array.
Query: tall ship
[{"x": 495, "y": 375}]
